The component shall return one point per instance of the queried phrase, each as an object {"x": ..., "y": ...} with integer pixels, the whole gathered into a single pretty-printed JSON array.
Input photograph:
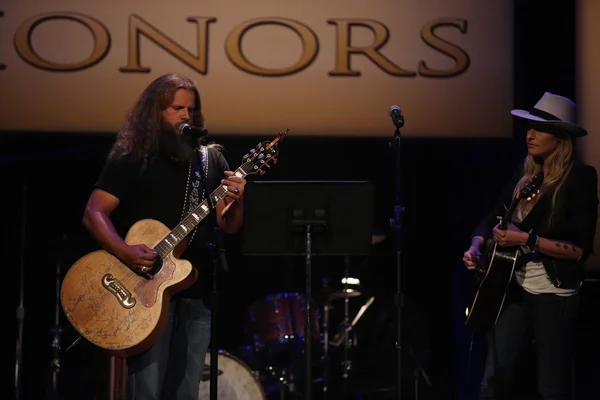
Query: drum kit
[{"x": 272, "y": 365}]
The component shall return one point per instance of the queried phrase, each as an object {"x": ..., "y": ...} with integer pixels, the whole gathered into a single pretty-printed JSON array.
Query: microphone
[
  {"x": 396, "y": 114},
  {"x": 194, "y": 131}
]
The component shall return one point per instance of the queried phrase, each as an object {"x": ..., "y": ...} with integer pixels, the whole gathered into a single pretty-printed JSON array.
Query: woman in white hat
[{"x": 554, "y": 232}]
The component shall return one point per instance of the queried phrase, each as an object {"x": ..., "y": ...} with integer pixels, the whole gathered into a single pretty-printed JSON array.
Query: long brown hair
[
  {"x": 559, "y": 163},
  {"x": 140, "y": 134}
]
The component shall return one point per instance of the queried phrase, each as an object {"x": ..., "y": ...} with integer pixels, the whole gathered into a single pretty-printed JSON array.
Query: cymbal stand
[
  {"x": 326, "y": 361},
  {"x": 56, "y": 329},
  {"x": 346, "y": 363},
  {"x": 345, "y": 328},
  {"x": 21, "y": 306}
]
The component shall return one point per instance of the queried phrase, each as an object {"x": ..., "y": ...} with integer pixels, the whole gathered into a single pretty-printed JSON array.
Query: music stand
[{"x": 309, "y": 218}]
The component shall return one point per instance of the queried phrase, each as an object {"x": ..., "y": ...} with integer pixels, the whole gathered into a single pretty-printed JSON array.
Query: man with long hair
[
  {"x": 153, "y": 171},
  {"x": 555, "y": 232}
]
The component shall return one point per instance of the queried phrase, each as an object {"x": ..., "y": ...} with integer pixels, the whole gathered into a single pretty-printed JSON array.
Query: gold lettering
[
  {"x": 2, "y": 66},
  {"x": 443, "y": 46},
  {"x": 25, "y": 50},
  {"x": 310, "y": 46},
  {"x": 344, "y": 48},
  {"x": 138, "y": 26}
]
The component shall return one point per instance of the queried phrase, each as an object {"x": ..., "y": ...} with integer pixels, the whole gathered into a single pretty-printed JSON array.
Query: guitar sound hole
[{"x": 157, "y": 266}]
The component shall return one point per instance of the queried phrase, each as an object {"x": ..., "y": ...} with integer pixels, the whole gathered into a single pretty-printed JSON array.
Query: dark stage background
[{"x": 447, "y": 186}]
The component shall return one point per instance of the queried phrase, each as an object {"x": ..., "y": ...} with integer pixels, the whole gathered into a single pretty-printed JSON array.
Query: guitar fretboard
[
  {"x": 258, "y": 158},
  {"x": 191, "y": 221}
]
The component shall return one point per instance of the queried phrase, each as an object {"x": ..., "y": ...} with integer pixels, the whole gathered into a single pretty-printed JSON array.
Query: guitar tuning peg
[{"x": 274, "y": 160}]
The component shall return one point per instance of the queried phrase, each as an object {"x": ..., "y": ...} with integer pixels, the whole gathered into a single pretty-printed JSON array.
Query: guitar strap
[
  {"x": 196, "y": 177},
  {"x": 203, "y": 172}
]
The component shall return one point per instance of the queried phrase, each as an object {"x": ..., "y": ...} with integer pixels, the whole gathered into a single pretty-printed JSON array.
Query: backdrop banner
[{"x": 318, "y": 67}]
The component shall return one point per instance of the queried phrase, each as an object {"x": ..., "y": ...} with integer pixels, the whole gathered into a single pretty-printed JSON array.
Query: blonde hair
[{"x": 559, "y": 163}]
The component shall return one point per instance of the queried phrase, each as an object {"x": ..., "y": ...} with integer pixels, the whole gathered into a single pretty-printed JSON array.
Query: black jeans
[{"x": 548, "y": 320}]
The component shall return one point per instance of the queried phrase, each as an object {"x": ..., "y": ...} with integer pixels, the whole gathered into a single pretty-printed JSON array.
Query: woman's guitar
[
  {"x": 500, "y": 263},
  {"x": 124, "y": 313}
]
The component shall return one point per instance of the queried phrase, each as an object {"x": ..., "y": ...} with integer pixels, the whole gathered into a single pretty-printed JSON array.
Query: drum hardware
[
  {"x": 325, "y": 360},
  {"x": 340, "y": 338},
  {"x": 346, "y": 363},
  {"x": 348, "y": 339},
  {"x": 206, "y": 373},
  {"x": 276, "y": 325},
  {"x": 21, "y": 307},
  {"x": 351, "y": 288},
  {"x": 55, "y": 364},
  {"x": 281, "y": 379}
]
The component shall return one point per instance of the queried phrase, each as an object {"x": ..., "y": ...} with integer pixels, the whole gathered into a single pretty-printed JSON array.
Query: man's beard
[{"x": 174, "y": 145}]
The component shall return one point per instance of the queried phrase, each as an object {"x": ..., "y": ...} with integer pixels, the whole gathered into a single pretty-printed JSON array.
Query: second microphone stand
[{"x": 396, "y": 225}]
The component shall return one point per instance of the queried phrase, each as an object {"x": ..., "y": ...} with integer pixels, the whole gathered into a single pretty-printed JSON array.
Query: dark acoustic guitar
[
  {"x": 124, "y": 313},
  {"x": 499, "y": 265}
]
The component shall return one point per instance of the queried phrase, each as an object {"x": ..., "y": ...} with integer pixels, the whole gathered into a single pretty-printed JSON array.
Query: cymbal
[
  {"x": 340, "y": 294},
  {"x": 378, "y": 238}
]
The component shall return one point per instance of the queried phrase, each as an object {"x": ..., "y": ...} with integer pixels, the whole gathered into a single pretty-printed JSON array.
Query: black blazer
[{"x": 574, "y": 221}]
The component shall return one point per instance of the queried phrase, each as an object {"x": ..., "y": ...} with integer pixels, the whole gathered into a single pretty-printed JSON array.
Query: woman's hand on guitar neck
[{"x": 510, "y": 237}]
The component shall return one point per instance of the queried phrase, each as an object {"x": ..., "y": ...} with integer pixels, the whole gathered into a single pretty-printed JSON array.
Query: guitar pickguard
[{"x": 147, "y": 289}]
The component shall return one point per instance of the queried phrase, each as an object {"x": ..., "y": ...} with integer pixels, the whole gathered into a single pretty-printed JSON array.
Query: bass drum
[{"x": 235, "y": 380}]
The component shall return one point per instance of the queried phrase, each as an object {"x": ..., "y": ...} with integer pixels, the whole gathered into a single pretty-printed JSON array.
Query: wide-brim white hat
[{"x": 556, "y": 111}]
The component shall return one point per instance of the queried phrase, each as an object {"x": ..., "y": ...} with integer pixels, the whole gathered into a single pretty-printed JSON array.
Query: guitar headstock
[
  {"x": 532, "y": 188},
  {"x": 264, "y": 154},
  {"x": 528, "y": 192}
]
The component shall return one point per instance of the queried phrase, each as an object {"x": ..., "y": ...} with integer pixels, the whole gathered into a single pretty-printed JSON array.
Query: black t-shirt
[{"x": 159, "y": 192}]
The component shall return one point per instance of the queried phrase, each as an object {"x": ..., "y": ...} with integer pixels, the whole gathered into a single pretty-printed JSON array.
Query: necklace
[{"x": 195, "y": 197}]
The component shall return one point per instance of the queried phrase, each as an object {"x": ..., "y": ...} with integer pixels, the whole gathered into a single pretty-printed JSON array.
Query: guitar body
[
  {"x": 493, "y": 286},
  {"x": 113, "y": 307},
  {"x": 501, "y": 262}
]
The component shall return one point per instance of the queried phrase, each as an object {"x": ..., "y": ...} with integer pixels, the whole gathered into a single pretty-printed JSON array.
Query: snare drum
[
  {"x": 279, "y": 319},
  {"x": 235, "y": 381}
]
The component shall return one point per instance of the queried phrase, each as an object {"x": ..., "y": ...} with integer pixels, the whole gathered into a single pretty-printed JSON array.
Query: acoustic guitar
[
  {"x": 499, "y": 265},
  {"x": 124, "y": 313}
]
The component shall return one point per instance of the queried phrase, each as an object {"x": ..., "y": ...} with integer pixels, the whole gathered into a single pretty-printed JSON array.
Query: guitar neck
[
  {"x": 193, "y": 219},
  {"x": 508, "y": 215}
]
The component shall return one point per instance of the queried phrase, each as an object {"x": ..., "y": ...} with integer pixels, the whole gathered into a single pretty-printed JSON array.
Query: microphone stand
[
  {"x": 217, "y": 252},
  {"x": 396, "y": 225},
  {"x": 216, "y": 249}
]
